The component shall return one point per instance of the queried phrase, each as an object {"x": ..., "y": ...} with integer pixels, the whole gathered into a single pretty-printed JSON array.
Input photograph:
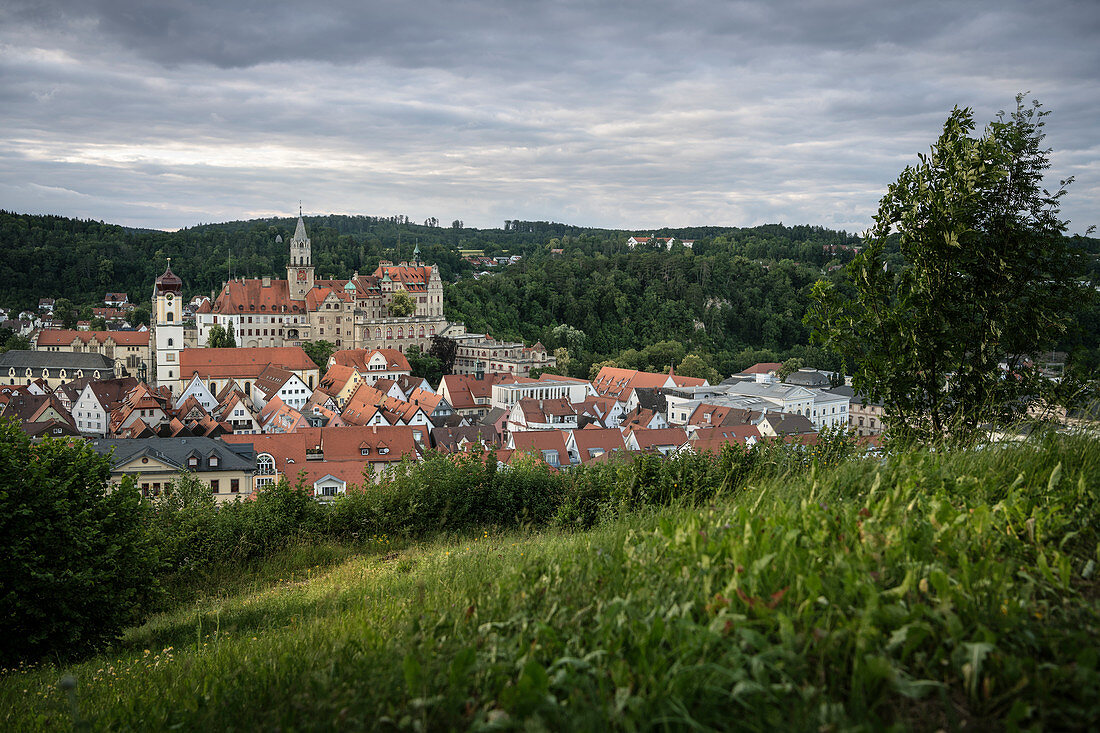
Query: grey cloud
[{"x": 613, "y": 114}]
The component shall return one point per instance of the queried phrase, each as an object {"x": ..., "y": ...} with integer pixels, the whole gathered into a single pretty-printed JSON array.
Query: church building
[{"x": 352, "y": 314}]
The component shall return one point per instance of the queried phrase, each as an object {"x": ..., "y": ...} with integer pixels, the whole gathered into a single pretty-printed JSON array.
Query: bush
[{"x": 78, "y": 564}]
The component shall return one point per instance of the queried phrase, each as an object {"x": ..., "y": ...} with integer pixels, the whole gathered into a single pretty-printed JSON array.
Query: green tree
[
  {"x": 138, "y": 317},
  {"x": 319, "y": 352},
  {"x": 423, "y": 364},
  {"x": 402, "y": 304},
  {"x": 97, "y": 323},
  {"x": 988, "y": 280},
  {"x": 64, "y": 311},
  {"x": 694, "y": 365},
  {"x": 444, "y": 349},
  {"x": 789, "y": 367},
  {"x": 78, "y": 565},
  {"x": 220, "y": 338}
]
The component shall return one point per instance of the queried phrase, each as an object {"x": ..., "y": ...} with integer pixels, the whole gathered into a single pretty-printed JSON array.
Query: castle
[{"x": 352, "y": 314}]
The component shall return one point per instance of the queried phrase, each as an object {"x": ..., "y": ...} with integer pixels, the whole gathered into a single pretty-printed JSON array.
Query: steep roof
[
  {"x": 591, "y": 442},
  {"x": 360, "y": 359},
  {"x": 252, "y": 296},
  {"x": 712, "y": 439},
  {"x": 653, "y": 438},
  {"x": 536, "y": 442}
]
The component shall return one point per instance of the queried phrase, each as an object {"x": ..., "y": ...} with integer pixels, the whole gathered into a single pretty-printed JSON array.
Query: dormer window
[
  {"x": 192, "y": 462},
  {"x": 213, "y": 461},
  {"x": 364, "y": 450},
  {"x": 383, "y": 450}
]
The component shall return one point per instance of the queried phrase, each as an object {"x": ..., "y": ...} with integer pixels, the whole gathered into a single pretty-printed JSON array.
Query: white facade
[
  {"x": 90, "y": 415},
  {"x": 506, "y": 395}
]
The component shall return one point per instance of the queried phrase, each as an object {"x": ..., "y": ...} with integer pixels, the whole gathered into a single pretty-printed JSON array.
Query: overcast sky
[{"x": 631, "y": 114}]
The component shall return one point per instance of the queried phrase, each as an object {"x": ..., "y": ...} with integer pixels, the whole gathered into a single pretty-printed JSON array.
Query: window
[
  {"x": 364, "y": 451},
  {"x": 234, "y": 485},
  {"x": 171, "y": 317},
  {"x": 265, "y": 463},
  {"x": 213, "y": 461},
  {"x": 214, "y": 486},
  {"x": 169, "y": 342},
  {"x": 192, "y": 462}
]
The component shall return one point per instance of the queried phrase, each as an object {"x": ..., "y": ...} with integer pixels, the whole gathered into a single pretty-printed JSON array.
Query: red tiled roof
[
  {"x": 651, "y": 438},
  {"x": 616, "y": 382},
  {"x": 342, "y": 448},
  {"x": 242, "y": 362},
  {"x": 251, "y": 296},
  {"x": 358, "y": 358},
  {"x": 537, "y": 441},
  {"x": 712, "y": 439},
  {"x": 61, "y": 337},
  {"x": 763, "y": 367},
  {"x": 605, "y": 439}
]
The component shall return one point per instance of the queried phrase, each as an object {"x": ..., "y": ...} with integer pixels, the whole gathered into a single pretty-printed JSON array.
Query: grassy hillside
[{"x": 926, "y": 591}]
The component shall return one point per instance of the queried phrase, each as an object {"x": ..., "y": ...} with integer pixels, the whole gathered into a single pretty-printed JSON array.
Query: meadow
[{"x": 918, "y": 591}]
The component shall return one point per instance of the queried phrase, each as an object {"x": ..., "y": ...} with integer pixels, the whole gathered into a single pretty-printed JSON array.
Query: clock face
[
  {"x": 301, "y": 276},
  {"x": 169, "y": 296}
]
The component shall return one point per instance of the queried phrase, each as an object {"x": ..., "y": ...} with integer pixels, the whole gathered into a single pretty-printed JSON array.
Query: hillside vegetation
[{"x": 924, "y": 590}]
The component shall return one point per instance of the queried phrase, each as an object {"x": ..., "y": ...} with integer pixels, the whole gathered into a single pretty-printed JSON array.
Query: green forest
[{"x": 737, "y": 297}]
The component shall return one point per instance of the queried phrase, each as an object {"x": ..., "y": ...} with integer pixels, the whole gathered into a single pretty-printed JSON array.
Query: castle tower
[
  {"x": 166, "y": 329},
  {"x": 299, "y": 272}
]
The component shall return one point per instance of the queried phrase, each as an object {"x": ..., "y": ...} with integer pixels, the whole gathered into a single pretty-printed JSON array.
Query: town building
[
  {"x": 481, "y": 353},
  {"x": 131, "y": 348},
  {"x": 153, "y": 463},
  {"x": 55, "y": 368}
]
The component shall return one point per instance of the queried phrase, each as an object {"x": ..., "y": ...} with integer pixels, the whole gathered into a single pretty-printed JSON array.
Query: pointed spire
[{"x": 300, "y": 230}]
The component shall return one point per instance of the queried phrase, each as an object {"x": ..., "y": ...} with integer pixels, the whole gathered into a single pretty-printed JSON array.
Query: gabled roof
[
  {"x": 336, "y": 378},
  {"x": 451, "y": 440},
  {"x": 712, "y": 439},
  {"x": 360, "y": 359},
  {"x": 592, "y": 442},
  {"x": 463, "y": 391},
  {"x": 272, "y": 379},
  {"x": 654, "y": 438},
  {"x": 535, "y": 442},
  {"x": 722, "y": 416}
]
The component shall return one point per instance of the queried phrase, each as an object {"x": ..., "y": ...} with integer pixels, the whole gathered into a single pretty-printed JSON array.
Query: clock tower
[
  {"x": 166, "y": 329},
  {"x": 299, "y": 272}
]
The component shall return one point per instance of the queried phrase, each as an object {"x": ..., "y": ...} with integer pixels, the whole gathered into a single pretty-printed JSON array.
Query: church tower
[
  {"x": 166, "y": 329},
  {"x": 299, "y": 273}
]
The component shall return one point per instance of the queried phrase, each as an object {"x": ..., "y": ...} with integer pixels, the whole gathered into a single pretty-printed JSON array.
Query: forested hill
[
  {"x": 53, "y": 256},
  {"x": 737, "y": 297}
]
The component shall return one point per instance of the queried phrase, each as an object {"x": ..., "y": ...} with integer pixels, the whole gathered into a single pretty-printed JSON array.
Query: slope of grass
[{"x": 925, "y": 591}]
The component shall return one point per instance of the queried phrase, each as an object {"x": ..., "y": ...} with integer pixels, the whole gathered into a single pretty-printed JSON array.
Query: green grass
[{"x": 926, "y": 591}]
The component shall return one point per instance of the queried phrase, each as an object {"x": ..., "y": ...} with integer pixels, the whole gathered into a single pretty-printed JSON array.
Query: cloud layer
[{"x": 629, "y": 115}]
